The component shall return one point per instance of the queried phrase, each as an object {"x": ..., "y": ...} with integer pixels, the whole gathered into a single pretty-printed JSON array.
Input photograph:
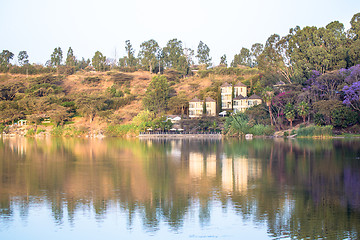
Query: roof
[
  {"x": 226, "y": 84},
  {"x": 240, "y": 84},
  {"x": 254, "y": 96},
  {"x": 240, "y": 97},
  {"x": 195, "y": 100},
  {"x": 209, "y": 99}
]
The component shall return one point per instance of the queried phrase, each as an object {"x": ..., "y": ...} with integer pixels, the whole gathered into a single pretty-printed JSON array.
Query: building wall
[
  {"x": 195, "y": 109},
  {"x": 240, "y": 91},
  {"x": 211, "y": 108},
  {"x": 243, "y": 104},
  {"x": 226, "y": 97}
]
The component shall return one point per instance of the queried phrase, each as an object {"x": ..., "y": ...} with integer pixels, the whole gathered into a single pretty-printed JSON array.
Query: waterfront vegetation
[{"x": 310, "y": 76}]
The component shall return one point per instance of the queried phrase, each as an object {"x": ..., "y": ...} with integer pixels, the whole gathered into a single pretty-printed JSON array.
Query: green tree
[
  {"x": 131, "y": 60},
  {"x": 5, "y": 57},
  {"x": 267, "y": 95},
  {"x": 174, "y": 57},
  {"x": 99, "y": 61},
  {"x": 355, "y": 25},
  {"x": 23, "y": 58},
  {"x": 56, "y": 57},
  {"x": 147, "y": 54},
  {"x": 289, "y": 113},
  {"x": 178, "y": 103},
  {"x": 256, "y": 50},
  {"x": 157, "y": 95},
  {"x": 70, "y": 58},
  {"x": 204, "y": 108},
  {"x": 203, "y": 54},
  {"x": 243, "y": 58},
  {"x": 303, "y": 110},
  {"x": 223, "y": 60}
]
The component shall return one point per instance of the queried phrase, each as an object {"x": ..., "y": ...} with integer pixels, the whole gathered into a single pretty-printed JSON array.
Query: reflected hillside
[{"x": 299, "y": 189}]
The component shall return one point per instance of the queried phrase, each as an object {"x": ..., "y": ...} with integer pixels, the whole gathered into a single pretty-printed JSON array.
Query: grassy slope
[{"x": 73, "y": 84}]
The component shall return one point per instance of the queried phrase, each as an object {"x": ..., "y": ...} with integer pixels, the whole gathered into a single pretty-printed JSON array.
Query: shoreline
[{"x": 179, "y": 136}]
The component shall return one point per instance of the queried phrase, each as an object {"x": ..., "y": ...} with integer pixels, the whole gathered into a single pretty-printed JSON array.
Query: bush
[
  {"x": 120, "y": 130},
  {"x": 319, "y": 119},
  {"x": 39, "y": 130},
  {"x": 343, "y": 117},
  {"x": 260, "y": 130},
  {"x": 30, "y": 133},
  {"x": 57, "y": 131},
  {"x": 72, "y": 131},
  {"x": 93, "y": 81},
  {"x": 315, "y": 131}
]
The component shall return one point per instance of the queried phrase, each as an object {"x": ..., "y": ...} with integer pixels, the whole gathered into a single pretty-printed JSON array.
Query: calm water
[{"x": 179, "y": 189}]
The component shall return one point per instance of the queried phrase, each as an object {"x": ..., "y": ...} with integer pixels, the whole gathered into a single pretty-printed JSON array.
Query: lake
[{"x": 179, "y": 189}]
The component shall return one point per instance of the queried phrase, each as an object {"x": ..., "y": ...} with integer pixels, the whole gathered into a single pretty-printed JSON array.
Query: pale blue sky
[{"x": 38, "y": 26}]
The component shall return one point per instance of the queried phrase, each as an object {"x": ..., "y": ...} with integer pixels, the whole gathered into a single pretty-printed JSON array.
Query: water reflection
[{"x": 297, "y": 189}]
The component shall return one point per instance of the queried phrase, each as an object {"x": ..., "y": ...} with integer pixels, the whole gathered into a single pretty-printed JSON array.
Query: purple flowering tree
[
  {"x": 352, "y": 95},
  {"x": 352, "y": 90}
]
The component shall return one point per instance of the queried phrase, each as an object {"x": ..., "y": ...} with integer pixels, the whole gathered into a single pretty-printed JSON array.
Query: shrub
[
  {"x": 120, "y": 130},
  {"x": 40, "y": 130},
  {"x": 315, "y": 131},
  {"x": 319, "y": 119},
  {"x": 91, "y": 81},
  {"x": 30, "y": 133},
  {"x": 260, "y": 130},
  {"x": 57, "y": 131},
  {"x": 343, "y": 117}
]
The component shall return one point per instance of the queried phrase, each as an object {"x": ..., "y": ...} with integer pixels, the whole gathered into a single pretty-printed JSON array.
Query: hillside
[{"x": 122, "y": 93}]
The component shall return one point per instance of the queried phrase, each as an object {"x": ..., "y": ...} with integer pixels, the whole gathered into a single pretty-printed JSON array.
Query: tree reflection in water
[{"x": 297, "y": 188}]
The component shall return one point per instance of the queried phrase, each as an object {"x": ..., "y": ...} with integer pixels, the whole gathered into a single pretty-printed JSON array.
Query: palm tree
[
  {"x": 289, "y": 113},
  {"x": 303, "y": 110},
  {"x": 268, "y": 95}
]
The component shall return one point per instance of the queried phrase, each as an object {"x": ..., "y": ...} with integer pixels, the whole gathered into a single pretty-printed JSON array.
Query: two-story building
[
  {"x": 240, "y": 89},
  {"x": 242, "y": 103},
  {"x": 196, "y": 107}
]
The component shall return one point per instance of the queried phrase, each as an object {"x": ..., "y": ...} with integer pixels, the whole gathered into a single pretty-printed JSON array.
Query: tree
[
  {"x": 56, "y": 57},
  {"x": 99, "y": 61},
  {"x": 173, "y": 55},
  {"x": 147, "y": 54},
  {"x": 223, "y": 60},
  {"x": 23, "y": 58},
  {"x": 178, "y": 103},
  {"x": 203, "y": 54},
  {"x": 352, "y": 95},
  {"x": 157, "y": 94},
  {"x": 256, "y": 50},
  {"x": 5, "y": 57},
  {"x": 290, "y": 113},
  {"x": 70, "y": 58},
  {"x": 355, "y": 25},
  {"x": 130, "y": 54},
  {"x": 243, "y": 58},
  {"x": 204, "y": 108},
  {"x": 303, "y": 110},
  {"x": 267, "y": 96}
]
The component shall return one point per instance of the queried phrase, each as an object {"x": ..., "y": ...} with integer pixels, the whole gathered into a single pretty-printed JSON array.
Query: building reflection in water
[{"x": 166, "y": 180}]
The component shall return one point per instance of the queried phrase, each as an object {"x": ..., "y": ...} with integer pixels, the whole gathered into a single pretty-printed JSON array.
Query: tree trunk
[{"x": 271, "y": 120}]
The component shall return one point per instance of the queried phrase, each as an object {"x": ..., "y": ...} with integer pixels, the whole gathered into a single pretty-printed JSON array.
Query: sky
[{"x": 225, "y": 26}]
